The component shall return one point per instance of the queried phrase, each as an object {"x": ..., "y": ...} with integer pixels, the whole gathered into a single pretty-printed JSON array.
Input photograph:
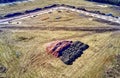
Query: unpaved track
[
  {"x": 104, "y": 17},
  {"x": 71, "y": 28}
]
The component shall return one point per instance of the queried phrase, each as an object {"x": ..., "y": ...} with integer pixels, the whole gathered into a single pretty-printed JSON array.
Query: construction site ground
[
  {"x": 22, "y": 46},
  {"x": 32, "y": 4},
  {"x": 23, "y": 53},
  {"x": 60, "y": 18}
]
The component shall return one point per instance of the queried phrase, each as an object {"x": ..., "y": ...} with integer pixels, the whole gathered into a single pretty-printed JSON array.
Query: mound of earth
[
  {"x": 68, "y": 51},
  {"x": 8, "y": 1}
]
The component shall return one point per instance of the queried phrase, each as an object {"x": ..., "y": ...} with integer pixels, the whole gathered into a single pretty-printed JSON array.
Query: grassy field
[
  {"x": 59, "y": 18},
  {"x": 24, "y": 54},
  {"x": 41, "y": 3}
]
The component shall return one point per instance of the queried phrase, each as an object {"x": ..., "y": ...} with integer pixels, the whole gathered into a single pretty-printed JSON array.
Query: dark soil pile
[
  {"x": 73, "y": 52},
  {"x": 9, "y": 1}
]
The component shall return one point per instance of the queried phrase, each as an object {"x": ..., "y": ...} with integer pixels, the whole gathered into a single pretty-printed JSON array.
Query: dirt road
[
  {"x": 104, "y": 17},
  {"x": 71, "y": 28}
]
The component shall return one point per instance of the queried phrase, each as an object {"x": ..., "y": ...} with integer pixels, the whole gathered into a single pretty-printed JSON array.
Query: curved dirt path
[
  {"x": 103, "y": 17},
  {"x": 71, "y": 28}
]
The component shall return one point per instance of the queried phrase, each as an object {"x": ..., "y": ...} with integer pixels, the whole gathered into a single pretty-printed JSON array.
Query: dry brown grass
[
  {"x": 41, "y": 3},
  {"x": 35, "y": 63},
  {"x": 66, "y": 18},
  {"x": 23, "y": 53}
]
